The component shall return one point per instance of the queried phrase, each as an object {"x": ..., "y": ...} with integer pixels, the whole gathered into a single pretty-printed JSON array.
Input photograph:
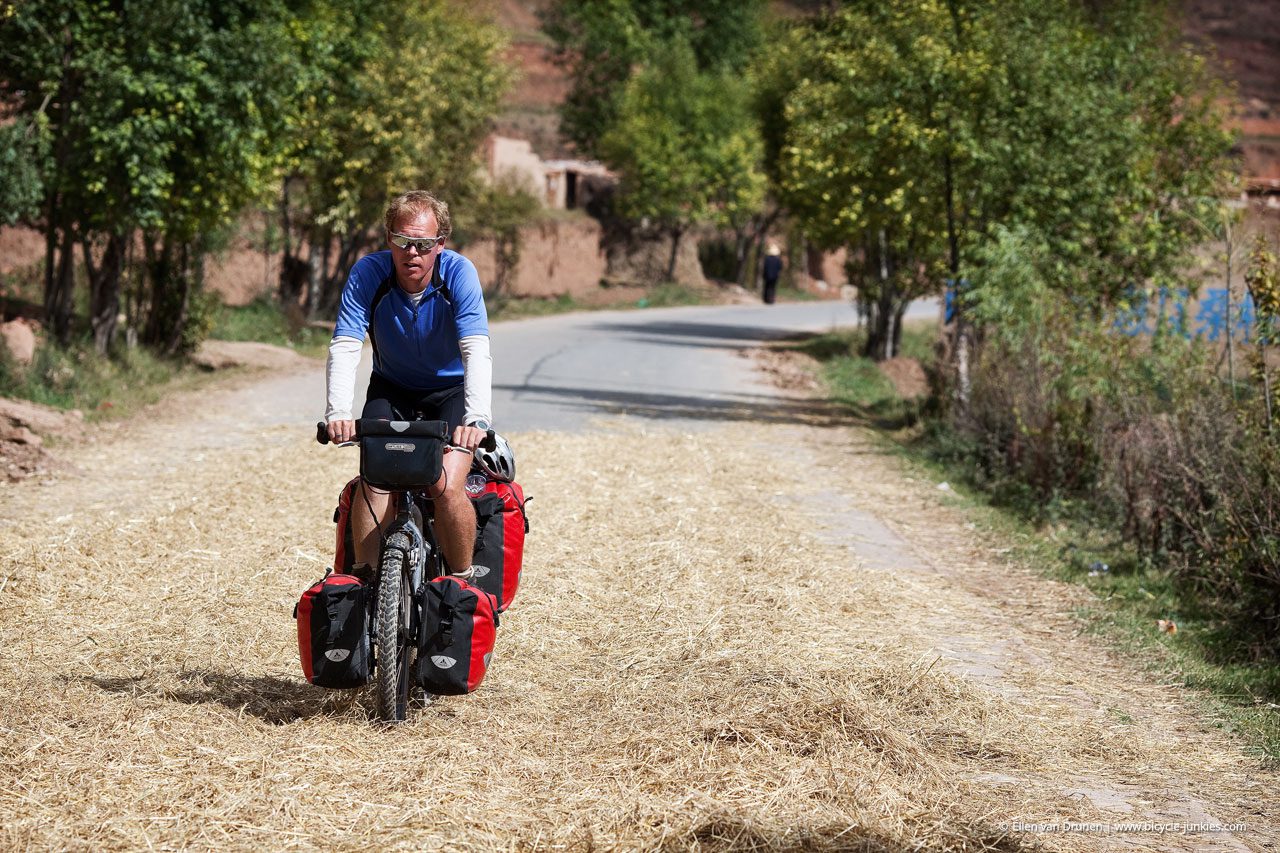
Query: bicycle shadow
[{"x": 267, "y": 697}]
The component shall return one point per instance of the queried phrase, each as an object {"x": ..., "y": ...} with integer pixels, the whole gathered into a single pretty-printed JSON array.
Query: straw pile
[{"x": 685, "y": 667}]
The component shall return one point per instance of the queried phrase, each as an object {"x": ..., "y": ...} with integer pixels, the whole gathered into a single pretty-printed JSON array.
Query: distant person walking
[{"x": 772, "y": 270}]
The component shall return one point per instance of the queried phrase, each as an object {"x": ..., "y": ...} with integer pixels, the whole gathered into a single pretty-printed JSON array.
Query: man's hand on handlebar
[
  {"x": 342, "y": 431},
  {"x": 467, "y": 437}
]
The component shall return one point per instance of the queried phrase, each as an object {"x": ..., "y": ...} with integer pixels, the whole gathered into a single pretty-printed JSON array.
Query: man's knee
[
  {"x": 452, "y": 483},
  {"x": 373, "y": 500}
]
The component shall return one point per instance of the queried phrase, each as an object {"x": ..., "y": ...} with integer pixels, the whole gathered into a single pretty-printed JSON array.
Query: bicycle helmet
[{"x": 499, "y": 463}]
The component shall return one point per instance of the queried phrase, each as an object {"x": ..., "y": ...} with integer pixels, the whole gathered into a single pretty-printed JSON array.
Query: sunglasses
[{"x": 421, "y": 244}]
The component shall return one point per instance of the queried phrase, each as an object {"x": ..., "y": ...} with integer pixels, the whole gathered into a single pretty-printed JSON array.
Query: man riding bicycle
[{"x": 423, "y": 309}]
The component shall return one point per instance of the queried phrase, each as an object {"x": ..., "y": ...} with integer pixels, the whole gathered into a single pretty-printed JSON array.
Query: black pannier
[
  {"x": 333, "y": 635},
  {"x": 402, "y": 454}
]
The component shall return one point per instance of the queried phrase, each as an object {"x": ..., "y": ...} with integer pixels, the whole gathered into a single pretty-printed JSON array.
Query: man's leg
[
  {"x": 455, "y": 514},
  {"x": 365, "y": 525}
]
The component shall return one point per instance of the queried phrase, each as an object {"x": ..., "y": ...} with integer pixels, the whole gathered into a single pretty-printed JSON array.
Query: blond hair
[{"x": 415, "y": 203}]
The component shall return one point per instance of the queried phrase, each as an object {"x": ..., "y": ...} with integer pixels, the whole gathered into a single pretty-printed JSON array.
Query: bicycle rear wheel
[{"x": 395, "y": 652}]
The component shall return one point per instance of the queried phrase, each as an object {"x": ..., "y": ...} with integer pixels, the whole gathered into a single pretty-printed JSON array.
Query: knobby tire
[{"x": 394, "y": 658}]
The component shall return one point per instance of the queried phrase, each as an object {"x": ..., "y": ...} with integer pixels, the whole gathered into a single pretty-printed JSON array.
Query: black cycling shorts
[{"x": 386, "y": 400}]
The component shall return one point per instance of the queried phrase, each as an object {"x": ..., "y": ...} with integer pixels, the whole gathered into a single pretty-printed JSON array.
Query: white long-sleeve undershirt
[
  {"x": 477, "y": 377},
  {"x": 344, "y": 360}
]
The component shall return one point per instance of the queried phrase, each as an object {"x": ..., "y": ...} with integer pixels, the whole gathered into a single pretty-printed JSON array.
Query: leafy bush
[
  {"x": 75, "y": 377},
  {"x": 265, "y": 321},
  {"x": 1140, "y": 435}
]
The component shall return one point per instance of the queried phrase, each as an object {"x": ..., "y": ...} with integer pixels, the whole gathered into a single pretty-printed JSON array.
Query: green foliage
[
  {"x": 24, "y": 148},
  {"x": 602, "y": 41},
  {"x": 685, "y": 143},
  {"x": 1217, "y": 648},
  {"x": 162, "y": 120},
  {"x": 389, "y": 98},
  {"x": 264, "y": 321},
  {"x": 153, "y": 125},
  {"x": 392, "y": 98},
  {"x": 857, "y": 382},
  {"x": 159, "y": 112},
  {"x": 76, "y": 377},
  {"x": 668, "y": 294},
  {"x": 1139, "y": 436},
  {"x": 907, "y": 132},
  {"x": 501, "y": 307}
]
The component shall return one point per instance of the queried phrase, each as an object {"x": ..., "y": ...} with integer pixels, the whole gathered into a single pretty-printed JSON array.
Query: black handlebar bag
[{"x": 402, "y": 454}]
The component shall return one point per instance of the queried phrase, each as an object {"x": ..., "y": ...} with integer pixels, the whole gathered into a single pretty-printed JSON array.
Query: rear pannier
[
  {"x": 333, "y": 634},
  {"x": 344, "y": 556},
  {"x": 501, "y": 525},
  {"x": 459, "y": 626}
]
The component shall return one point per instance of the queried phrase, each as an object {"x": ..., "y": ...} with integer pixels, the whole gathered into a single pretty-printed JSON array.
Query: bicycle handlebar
[{"x": 417, "y": 428}]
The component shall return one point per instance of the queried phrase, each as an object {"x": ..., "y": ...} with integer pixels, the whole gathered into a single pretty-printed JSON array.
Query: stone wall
[{"x": 557, "y": 257}]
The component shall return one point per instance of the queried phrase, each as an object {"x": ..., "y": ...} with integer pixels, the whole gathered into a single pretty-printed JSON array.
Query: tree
[
  {"x": 871, "y": 142},
  {"x": 601, "y": 42},
  {"x": 161, "y": 118},
  {"x": 909, "y": 131},
  {"x": 687, "y": 146},
  {"x": 393, "y": 98}
]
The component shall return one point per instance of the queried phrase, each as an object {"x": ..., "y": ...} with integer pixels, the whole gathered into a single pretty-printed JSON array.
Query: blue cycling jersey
[{"x": 415, "y": 346}]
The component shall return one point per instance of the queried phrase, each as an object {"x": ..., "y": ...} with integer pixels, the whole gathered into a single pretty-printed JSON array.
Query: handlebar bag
[
  {"x": 401, "y": 454},
  {"x": 459, "y": 627},
  {"x": 501, "y": 525},
  {"x": 333, "y": 634}
]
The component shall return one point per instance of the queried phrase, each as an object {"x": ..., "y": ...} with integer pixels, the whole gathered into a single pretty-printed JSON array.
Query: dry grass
[{"x": 685, "y": 667}]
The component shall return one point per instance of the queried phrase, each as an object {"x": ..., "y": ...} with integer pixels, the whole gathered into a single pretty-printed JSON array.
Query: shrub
[{"x": 1139, "y": 434}]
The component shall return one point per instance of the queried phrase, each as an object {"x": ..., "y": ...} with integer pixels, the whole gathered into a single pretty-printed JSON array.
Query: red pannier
[
  {"x": 501, "y": 525},
  {"x": 344, "y": 556},
  {"x": 459, "y": 627},
  {"x": 333, "y": 633}
]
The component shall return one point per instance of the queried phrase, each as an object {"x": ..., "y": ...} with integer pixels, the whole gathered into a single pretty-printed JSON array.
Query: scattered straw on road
[{"x": 686, "y": 667}]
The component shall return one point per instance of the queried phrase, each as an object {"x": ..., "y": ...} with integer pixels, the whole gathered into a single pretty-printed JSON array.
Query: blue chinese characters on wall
[{"x": 1174, "y": 312}]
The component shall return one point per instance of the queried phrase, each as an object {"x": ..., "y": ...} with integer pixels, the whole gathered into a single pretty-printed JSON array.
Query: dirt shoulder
[
  {"x": 763, "y": 635},
  {"x": 40, "y": 442}
]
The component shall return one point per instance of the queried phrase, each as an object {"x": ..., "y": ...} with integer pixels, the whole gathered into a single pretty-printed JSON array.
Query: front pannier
[
  {"x": 401, "y": 454},
  {"x": 501, "y": 525},
  {"x": 459, "y": 626},
  {"x": 333, "y": 634}
]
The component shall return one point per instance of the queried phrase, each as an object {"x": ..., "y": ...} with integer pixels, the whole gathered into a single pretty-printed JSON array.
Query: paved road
[{"x": 678, "y": 365}]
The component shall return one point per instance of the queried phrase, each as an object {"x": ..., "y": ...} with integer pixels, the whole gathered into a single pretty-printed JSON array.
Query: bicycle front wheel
[{"x": 395, "y": 650}]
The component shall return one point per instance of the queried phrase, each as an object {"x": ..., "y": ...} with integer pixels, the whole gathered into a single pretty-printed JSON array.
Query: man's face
[{"x": 413, "y": 268}]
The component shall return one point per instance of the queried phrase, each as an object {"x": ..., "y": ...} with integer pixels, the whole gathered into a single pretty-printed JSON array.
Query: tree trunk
[
  {"x": 50, "y": 249},
  {"x": 334, "y": 277},
  {"x": 1231, "y": 354},
  {"x": 180, "y": 299},
  {"x": 292, "y": 268},
  {"x": 898, "y": 314},
  {"x": 675, "y": 252},
  {"x": 159, "y": 271},
  {"x": 884, "y": 310},
  {"x": 61, "y": 286},
  {"x": 104, "y": 291},
  {"x": 962, "y": 332}
]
